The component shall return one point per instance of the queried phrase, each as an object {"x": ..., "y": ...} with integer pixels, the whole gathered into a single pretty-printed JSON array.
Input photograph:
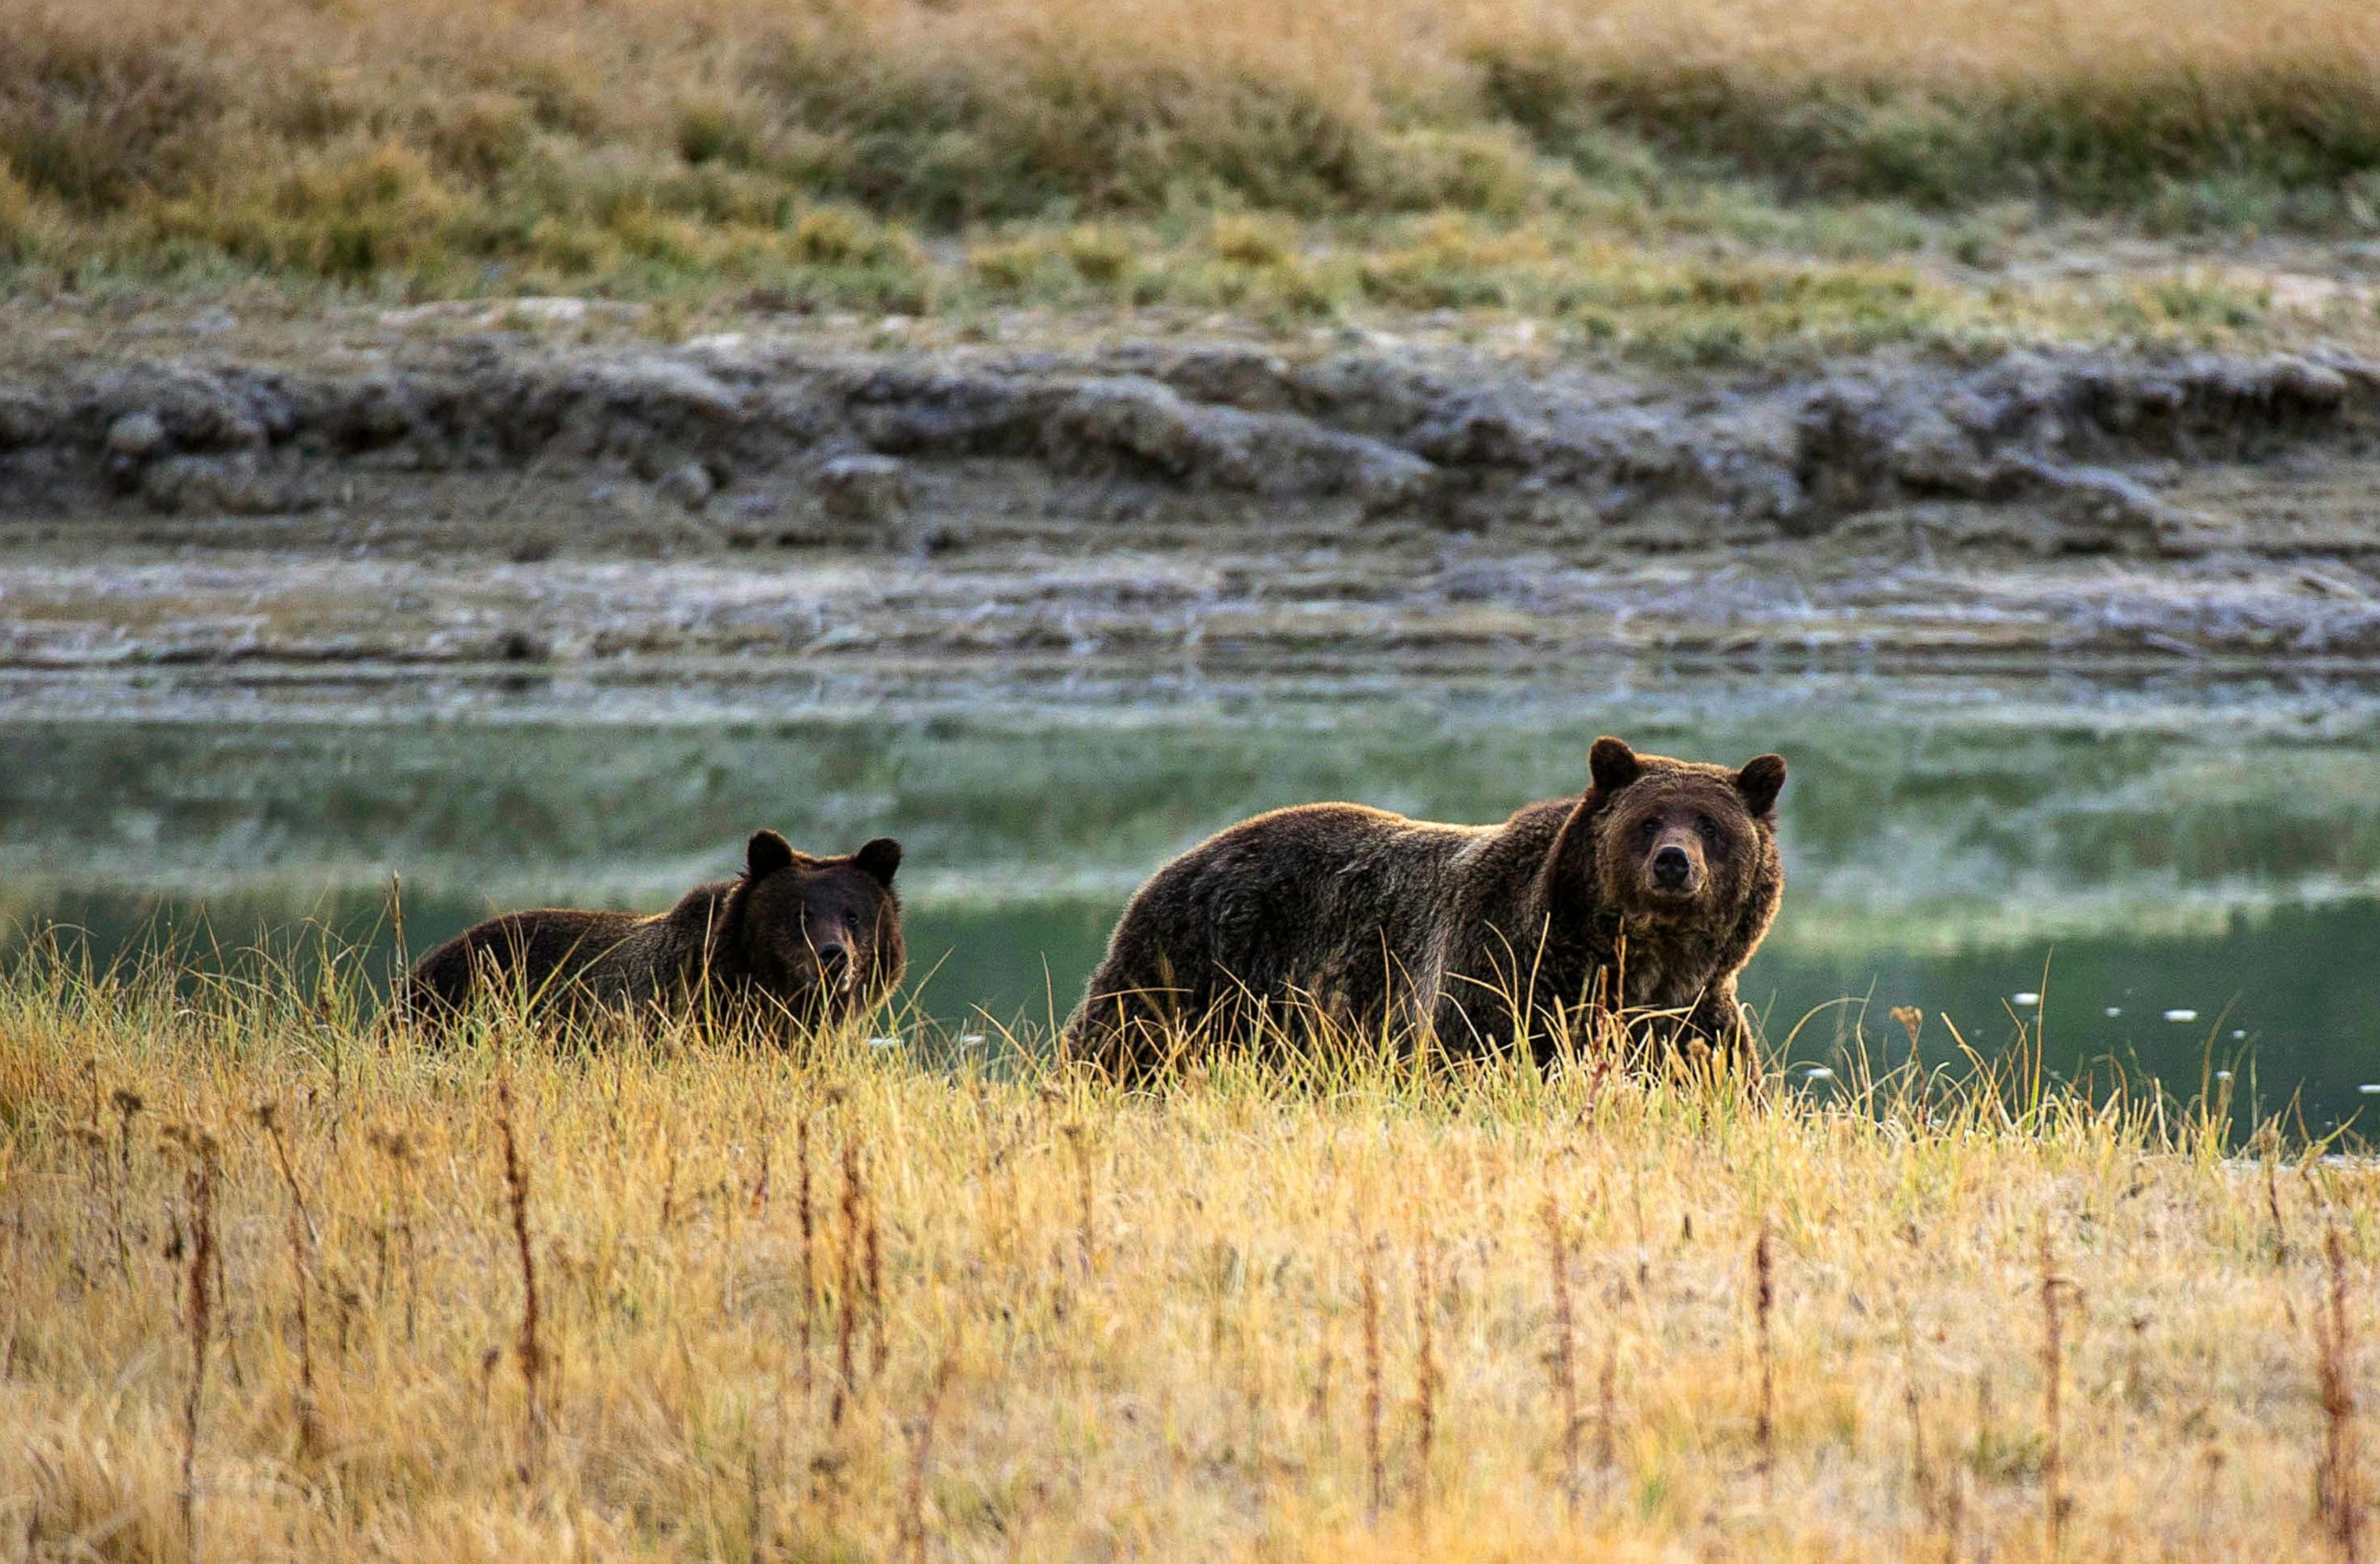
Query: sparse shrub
[
  {"x": 1100, "y": 256},
  {"x": 311, "y": 104},
  {"x": 1491, "y": 172},
  {"x": 835, "y": 236},
  {"x": 19, "y": 217},
  {"x": 572, "y": 250},
  {"x": 713, "y": 130},
  {"x": 1450, "y": 264},
  {"x": 564, "y": 95},
  {"x": 1010, "y": 266},
  {"x": 102, "y": 118},
  {"x": 1247, "y": 240},
  {"x": 480, "y": 138},
  {"x": 347, "y": 214},
  {"x": 829, "y": 235},
  {"x": 368, "y": 210}
]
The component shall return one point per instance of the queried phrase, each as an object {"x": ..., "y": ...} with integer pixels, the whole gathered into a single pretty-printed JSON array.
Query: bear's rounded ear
[
  {"x": 1613, "y": 764},
  {"x": 1761, "y": 779},
  {"x": 881, "y": 858},
  {"x": 765, "y": 854}
]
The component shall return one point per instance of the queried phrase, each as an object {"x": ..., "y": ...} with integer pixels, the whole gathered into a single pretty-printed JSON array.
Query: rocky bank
[{"x": 495, "y": 491}]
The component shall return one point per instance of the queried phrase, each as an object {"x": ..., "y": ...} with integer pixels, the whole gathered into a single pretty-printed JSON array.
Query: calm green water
[{"x": 2126, "y": 852}]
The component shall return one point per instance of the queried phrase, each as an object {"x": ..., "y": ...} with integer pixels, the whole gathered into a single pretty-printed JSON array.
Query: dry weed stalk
[
  {"x": 1565, "y": 1353},
  {"x": 2053, "y": 1374},
  {"x": 872, "y": 1259},
  {"x": 806, "y": 1211},
  {"x": 759, "y": 1205},
  {"x": 1912, "y": 1021},
  {"x": 2338, "y": 1506},
  {"x": 1922, "y": 1481},
  {"x": 2273, "y": 1207},
  {"x": 1077, "y": 1139},
  {"x": 299, "y": 1228},
  {"x": 1607, "y": 1416},
  {"x": 2210, "y": 1469},
  {"x": 268, "y": 1116},
  {"x": 400, "y": 957},
  {"x": 1428, "y": 1382},
  {"x": 1318, "y": 1404},
  {"x": 127, "y": 1103},
  {"x": 1375, "y": 1469},
  {"x": 532, "y": 1349},
  {"x": 1764, "y": 1307},
  {"x": 846, "y": 1283},
  {"x": 397, "y": 1148},
  {"x": 913, "y": 1508},
  {"x": 198, "y": 1314},
  {"x": 103, "y": 1181}
]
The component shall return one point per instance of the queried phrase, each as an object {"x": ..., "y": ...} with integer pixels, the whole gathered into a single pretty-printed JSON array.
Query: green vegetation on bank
[{"x": 1698, "y": 179}]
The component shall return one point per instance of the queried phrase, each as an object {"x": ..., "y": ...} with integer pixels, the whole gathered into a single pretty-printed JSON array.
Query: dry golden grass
[
  {"x": 459, "y": 147},
  {"x": 1045, "y": 1320}
]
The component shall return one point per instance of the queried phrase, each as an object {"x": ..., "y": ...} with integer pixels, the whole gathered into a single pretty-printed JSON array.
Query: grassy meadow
[
  {"x": 305, "y": 1291},
  {"x": 1693, "y": 180}
]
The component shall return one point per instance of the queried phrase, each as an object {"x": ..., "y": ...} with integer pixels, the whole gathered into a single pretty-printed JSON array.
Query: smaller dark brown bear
[
  {"x": 1647, "y": 892},
  {"x": 792, "y": 939}
]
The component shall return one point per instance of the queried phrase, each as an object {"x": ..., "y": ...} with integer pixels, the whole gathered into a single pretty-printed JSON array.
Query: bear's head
[
  {"x": 821, "y": 934},
  {"x": 1677, "y": 841}
]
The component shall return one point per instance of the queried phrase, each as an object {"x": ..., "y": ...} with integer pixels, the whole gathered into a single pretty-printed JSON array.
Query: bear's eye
[
  {"x": 1649, "y": 829},
  {"x": 1708, "y": 827}
]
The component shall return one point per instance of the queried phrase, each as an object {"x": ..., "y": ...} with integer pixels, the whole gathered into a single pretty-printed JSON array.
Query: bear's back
[{"x": 525, "y": 957}]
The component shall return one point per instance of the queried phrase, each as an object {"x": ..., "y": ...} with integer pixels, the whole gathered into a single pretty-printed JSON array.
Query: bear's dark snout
[{"x": 1673, "y": 868}]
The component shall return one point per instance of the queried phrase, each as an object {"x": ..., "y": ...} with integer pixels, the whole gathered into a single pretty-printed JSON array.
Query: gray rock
[
  {"x": 1242, "y": 377},
  {"x": 2066, "y": 446},
  {"x": 655, "y": 385},
  {"x": 23, "y": 421},
  {"x": 1141, "y": 424},
  {"x": 864, "y": 490},
  {"x": 689, "y": 484},
  {"x": 239, "y": 484},
  {"x": 2100, "y": 511},
  {"x": 1379, "y": 477},
  {"x": 1933, "y": 455},
  {"x": 1144, "y": 422},
  {"x": 1482, "y": 429},
  {"x": 137, "y": 435}
]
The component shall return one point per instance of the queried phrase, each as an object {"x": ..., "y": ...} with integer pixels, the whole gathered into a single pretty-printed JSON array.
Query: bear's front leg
[{"x": 1719, "y": 1020}]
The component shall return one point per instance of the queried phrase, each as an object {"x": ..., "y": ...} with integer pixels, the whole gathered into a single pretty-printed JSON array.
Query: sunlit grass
[
  {"x": 907, "y": 158},
  {"x": 1045, "y": 1319}
]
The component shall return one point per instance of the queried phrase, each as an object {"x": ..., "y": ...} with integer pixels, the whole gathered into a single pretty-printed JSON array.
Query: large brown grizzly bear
[
  {"x": 1649, "y": 891},
  {"x": 792, "y": 939}
]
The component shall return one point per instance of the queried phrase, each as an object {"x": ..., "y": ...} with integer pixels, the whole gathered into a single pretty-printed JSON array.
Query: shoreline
[{"x": 516, "y": 496}]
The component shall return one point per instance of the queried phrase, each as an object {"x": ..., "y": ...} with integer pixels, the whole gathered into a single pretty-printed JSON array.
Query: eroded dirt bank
[{"x": 499, "y": 489}]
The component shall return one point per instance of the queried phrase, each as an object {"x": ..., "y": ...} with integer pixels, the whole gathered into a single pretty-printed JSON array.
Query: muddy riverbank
[{"x": 502, "y": 483}]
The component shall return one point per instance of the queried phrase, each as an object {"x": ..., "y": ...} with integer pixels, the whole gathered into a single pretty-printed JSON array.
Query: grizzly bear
[
  {"x": 794, "y": 939},
  {"x": 1649, "y": 892}
]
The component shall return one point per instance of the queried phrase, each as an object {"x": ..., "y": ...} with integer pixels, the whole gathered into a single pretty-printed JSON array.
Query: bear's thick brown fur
[
  {"x": 1649, "y": 891},
  {"x": 793, "y": 939}
]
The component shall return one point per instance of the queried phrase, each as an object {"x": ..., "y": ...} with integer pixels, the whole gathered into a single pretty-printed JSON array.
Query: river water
[{"x": 2179, "y": 877}]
